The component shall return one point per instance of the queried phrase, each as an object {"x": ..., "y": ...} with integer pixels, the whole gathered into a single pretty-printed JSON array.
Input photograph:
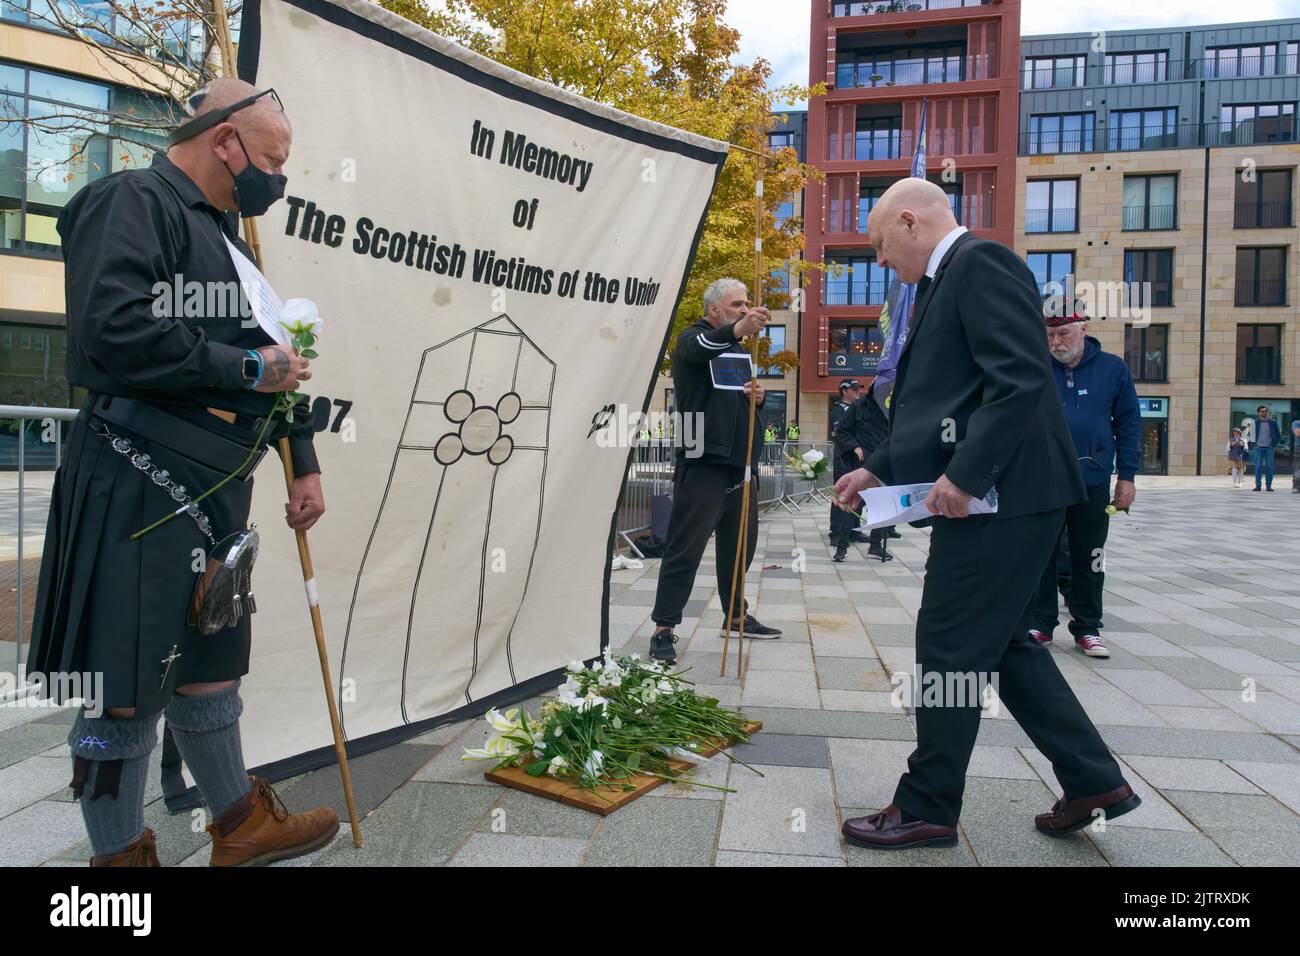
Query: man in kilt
[{"x": 175, "y": 402}]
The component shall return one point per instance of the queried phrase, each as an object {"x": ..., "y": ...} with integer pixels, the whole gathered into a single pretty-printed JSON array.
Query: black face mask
[{"x": 256, "y": 189}]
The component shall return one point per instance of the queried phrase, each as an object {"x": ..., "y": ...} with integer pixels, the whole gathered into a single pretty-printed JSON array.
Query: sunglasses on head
[{"x": 194, "y": 127}]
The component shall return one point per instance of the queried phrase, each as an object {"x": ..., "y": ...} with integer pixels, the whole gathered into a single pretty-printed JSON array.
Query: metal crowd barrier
[
  {"x": 42, "y": 418},
  {"x": 779, "y": 484}
]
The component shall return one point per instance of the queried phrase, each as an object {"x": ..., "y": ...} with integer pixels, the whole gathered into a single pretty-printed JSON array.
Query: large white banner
[{"x": 496, "y": 262}]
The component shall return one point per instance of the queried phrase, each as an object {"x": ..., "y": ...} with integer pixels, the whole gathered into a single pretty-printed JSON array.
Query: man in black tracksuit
[
  {"x": 862, "y": 430},
  {"x": 709, "y": 482}
]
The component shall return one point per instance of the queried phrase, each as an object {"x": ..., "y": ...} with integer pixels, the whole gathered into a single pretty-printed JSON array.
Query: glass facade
[
  {"x": 855, "y": 349},
  {"x": 57, "y": 134}
]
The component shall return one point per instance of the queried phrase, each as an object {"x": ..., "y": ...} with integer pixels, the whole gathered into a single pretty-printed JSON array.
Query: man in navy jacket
[{"x": 1101, "y": 409}]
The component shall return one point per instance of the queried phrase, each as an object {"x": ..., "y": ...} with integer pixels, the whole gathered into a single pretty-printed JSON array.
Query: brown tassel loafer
[
  {"x": 1067, "y": 816},
  {"x": 887, "y": 831}
]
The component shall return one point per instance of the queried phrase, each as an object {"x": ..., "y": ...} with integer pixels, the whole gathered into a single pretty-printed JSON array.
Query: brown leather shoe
[
  {"x": 143, "y": 852},
  {"x": 1067, "y": 816},
  {"x": 887, "y": 831},
  {"x": 259, "y": 830}
]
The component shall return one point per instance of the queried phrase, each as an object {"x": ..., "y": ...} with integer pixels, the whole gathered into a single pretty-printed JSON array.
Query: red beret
[{"x": 1056, "y": 321}]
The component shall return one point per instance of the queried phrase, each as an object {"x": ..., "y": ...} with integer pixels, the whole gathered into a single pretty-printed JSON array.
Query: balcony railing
[
  {"x": 839, "y": 292},
  {"x": 1262, "y": 292},
  {"x": 974, "y": 66},
  {"x": 1172, "y": 70},
  {"x": 1267, "y": 215},
  {"x": 858, "y": 9},
  {"x": 1146, "y": 218},
  {"x": 1278, "y": 129},
  {"x": 1051, "y": 220}
]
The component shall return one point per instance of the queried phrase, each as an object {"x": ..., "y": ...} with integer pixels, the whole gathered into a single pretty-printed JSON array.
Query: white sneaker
[{"x": 1091, "y": 645}]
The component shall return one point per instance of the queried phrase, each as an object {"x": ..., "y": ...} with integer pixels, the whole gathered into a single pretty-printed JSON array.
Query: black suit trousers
[
  {"x": 979, "y": 579},
  {"x": 706, "y": 499},
  {"x": 843, "y": 524}
]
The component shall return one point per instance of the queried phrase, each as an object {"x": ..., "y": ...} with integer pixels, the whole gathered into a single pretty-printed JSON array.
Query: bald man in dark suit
[{"x": 974, "y": 410}]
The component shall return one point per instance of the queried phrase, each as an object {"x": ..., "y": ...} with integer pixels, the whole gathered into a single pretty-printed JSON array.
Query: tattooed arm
[{"x": 283, "y": 369}]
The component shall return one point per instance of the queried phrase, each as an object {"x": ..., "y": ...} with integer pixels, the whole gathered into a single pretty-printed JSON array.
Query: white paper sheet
[{"x": 899, "y": 504}]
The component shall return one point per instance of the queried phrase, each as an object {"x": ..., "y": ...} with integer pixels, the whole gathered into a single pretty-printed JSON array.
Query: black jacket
[
  {"x": 128, "y": 240},
  {"x": 724, "y": 413},
  {"x": 863, "y": 426},
  {"x": 974, "y": 398}
]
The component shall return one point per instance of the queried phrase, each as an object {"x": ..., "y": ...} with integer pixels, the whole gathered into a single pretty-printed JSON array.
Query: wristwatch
[{"x": 252, "y": 369}]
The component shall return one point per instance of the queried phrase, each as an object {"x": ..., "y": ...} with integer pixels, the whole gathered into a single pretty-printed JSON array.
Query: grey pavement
[{"x": 1200, "y": 702}]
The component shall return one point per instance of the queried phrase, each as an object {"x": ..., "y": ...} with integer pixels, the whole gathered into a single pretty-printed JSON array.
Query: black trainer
[
  {"x": 893, "y": 533},
  {"x": 878, "y": 550},
  {"x": 841, "y": 552},
  {"x": 758, "y": 631},
  {"x": 662, "y": 649}
]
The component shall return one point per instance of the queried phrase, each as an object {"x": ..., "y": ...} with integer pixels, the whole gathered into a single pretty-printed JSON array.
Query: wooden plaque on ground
[{"x": 607, "y": 799}]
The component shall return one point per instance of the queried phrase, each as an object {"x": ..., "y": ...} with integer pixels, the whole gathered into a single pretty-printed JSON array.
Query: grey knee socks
[
  {"x": 206, "y": 728},
  {"x": 110, "y": 764}
]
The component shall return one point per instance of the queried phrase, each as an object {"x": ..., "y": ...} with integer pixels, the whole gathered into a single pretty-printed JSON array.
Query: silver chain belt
[{"x": 160, "y": 477}]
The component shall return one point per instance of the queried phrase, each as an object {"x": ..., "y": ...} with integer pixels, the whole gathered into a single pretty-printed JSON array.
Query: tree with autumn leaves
[{"x": 667, "y": 61}]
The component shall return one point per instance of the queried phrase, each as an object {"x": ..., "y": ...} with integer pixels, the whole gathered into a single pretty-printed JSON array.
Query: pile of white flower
[{"x": 610, "y": 721}]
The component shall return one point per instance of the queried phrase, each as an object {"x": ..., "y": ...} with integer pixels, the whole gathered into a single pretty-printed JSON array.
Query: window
[
  {"x": 1146, "y": 350},
  {"x": 1051, "y": 205},
  {"x": 775, "y": 335},
  {"x": 1053, "y": 72},
  {"x": 1060, "y": 133},
  {"x": 1264, "y": 202},
  {"x": 901, "y": 67},
  {"x": 1150, "y": 202},
  {"x": 1053, "y": 270},
  {"x": 32, "y": 360},
  {"x": 1143, "y": 129},
  {"x": 1261, "y": 276},
  {"x": 1259, "y": 354},
  {"x": 868, "y": 196},
  {"x": 1267, "y": 59},
  {"x": 1250, "y": 123},
  {"x": 855, "y": 349},
  {"x": 781, "y": 140},
  {"x": 861, "y": 281},
  {"x": 1149, "y": 67},
  {"x": 72, "y": 143},
  {"x": 170, "y": 37},
  {"x": 1149, "y": 277},
  {"x": 878, "y": 137}
]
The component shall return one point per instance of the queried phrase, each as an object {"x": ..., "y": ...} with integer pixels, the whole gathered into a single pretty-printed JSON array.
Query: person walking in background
[
  {"x": 1101, "y": 409},
  {"x": 1295, "y": 458},
  {"x": 1236, "y": 456},
  {"x": 1267, "y": 437}
]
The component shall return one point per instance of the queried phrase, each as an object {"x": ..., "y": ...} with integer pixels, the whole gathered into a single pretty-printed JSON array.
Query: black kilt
[{"x": 109, "y": 605}]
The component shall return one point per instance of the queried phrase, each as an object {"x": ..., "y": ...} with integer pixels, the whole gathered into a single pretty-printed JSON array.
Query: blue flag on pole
[{"x": 894, "y": 314}]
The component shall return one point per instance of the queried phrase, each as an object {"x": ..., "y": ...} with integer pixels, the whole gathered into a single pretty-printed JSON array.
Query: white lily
[{"x": 503, "y": 724}]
